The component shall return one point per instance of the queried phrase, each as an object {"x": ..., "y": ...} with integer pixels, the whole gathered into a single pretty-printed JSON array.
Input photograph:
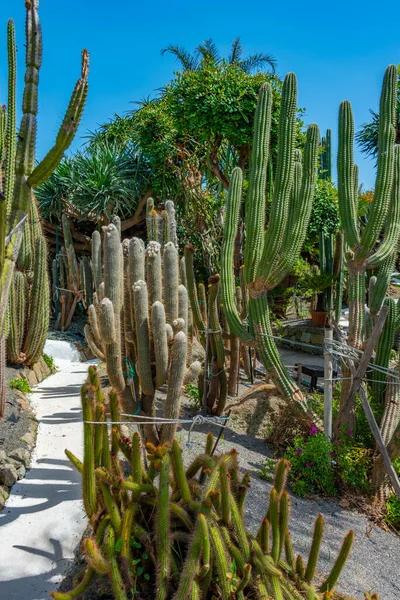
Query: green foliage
[
  {"x": 311, "y": 464},
  {"x": 266, "y": 471},
  {"x": 192, "y": 392},
  {"x": 325, "y": 213},
  {"x": 393, "y": 511},
  {"x": 49, "y": 360},
  {"x": 318, "y": 465},
  {"x": 21, "y": 384}
]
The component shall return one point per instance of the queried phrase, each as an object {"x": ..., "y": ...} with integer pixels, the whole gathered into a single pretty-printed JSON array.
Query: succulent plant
[{"x": 175, "y": 532}]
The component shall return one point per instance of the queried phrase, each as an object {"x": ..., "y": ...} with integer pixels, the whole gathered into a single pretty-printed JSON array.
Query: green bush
[
  {"x": 353, "y": 462},
  {"x": 21, "y": 384},
  {"x": 310, "y": 459},
  {"x": 192, "y": 392},
  {"x": 266, "y": 471},
  {"x": 49, "y": 360}
]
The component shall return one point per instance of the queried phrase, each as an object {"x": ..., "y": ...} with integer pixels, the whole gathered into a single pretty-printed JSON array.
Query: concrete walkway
[{"x": 43, "y": 520}]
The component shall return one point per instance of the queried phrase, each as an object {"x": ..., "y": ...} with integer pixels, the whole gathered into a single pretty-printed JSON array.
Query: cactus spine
[
  {"x": 384, "y": 211},
  {"x": 269, "y": 255},
  {"x": 186, "y": 535}
]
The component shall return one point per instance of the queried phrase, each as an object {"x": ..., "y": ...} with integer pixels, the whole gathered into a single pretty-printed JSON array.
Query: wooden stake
[{"x": 328, "y": 370}]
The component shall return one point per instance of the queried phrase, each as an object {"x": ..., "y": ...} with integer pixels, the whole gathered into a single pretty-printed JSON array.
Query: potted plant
[{"x": 316, "y": 284}]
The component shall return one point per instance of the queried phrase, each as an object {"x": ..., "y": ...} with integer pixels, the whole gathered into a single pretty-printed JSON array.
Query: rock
[
  {"x": 198, "y": 352},
  {"x": 3, "y": 456},
  {"x": 46, "y": 371},
  {"x": 2, "y": 502},
  {"x": 305, "y": 337},
  {"x": 4, "y": 493},
  {"x": 30, "y": 376},
  {"x": 317, "y": 339},
  {"x": 21, "y": 455},
  {"x": 8, "y": 475},
  {"x": 29, "y": 439},
  {"x": 37, "y": 369},
  {"x": 21, "y": 471}
]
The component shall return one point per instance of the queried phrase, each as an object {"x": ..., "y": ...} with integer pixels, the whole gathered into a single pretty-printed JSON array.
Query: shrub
[
  {"x": 393, "y": 512},
  {"x": 311, "y": 464},
  {"x": 21, "y": 384},
  {"x": 192, "y": 392}
]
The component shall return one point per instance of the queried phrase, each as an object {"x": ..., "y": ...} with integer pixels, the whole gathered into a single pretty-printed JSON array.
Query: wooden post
[{"x": 328, "y": 370}]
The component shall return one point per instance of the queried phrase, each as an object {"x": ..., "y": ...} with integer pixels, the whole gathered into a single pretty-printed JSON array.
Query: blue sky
[{"x": 337, "y": 50}]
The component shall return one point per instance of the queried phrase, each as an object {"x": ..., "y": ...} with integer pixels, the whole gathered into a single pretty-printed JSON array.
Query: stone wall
[{"x": 302, "y": 331}]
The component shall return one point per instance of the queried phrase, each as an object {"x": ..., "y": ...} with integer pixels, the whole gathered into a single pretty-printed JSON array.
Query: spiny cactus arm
[
  {"x": 162, "y": 531},
  {"x": 171, "y": 221},
  {"x": 191, "y": 283},
  {"x": 263, "y": 535},
  {"x": 274, "y": 516},
  {"x": 239, "y": 527},
  {"x": 17, "y": 313},
  {"x": 385, "y": 171},
  {"x": 192, "y": 561},
  {"x": 110, "y": 503},
  {"x": 115, "y": 575},
  {"x": 221, "y": 562},
  {"x": 91, "y": 342},
  {"x": 154, "y": 272},
  {"x": 94, "y": 325},
  {"x": 244, "y": 295},
  {"x": 383, "y": 350},
  {"x": 334, "y": 575},
  {"x": 183, "y": 303},
  {"x": 152, "y": 234},
  {"x": 171, "y": 282},
  {"x": 181, "y": 481},
  {"x": 106, "y": 320},
  {"x": 392, "y": 228},
  {"x": 88, "y": 476},
  {"x": 255, "y": 203},
  {"x": 284, "y": 508},
  {"x": 230, "y": 228},
  {"x": 75, "y": 461},
  {"x": 78, "y": 589},
  {"x": 348, "y": 215},
  {"x": 319, "y": 527},
  {"x": 300, "y": 210},
  {"x": 96, "y": 259},
  {"x": 11, "y": 114},
  {"x": 284, "y": 175},
  {"x": 225, "y": 495},
  {"x": 244, "y": 582},
  {"x": 67, "y": 129},
  {"x": 175, "y": 380},
  {"x": 94, "y": 557},
  {"x": 202, "y": 301},
  {"x": 142, "y": 334},
  {"x": 383, "y": 277},
  {"x": 39, "y": 313},
  {"x": 355, "y": 186},
  {"x": 160, "y": 343}
]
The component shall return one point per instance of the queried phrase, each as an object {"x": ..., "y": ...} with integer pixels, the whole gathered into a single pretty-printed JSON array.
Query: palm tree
[
  {"x": 207, "y": 52},
  {"x": 367, "y": 137}
]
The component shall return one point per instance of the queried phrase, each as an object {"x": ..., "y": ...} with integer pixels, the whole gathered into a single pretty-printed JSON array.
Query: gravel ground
[{"x": 373, "y": 564}]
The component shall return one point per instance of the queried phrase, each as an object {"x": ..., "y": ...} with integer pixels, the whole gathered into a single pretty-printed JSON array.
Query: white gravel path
[{"x": 43, "y": 519}]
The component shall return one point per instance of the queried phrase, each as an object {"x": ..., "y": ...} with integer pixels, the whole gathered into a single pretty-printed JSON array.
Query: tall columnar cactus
[
  {"x": 384, "y": 213},
  {"x": 138, "y": 320},
  {"x": 270, "y": 253},
  {"x": 20, "y": 173},
  {"x": 185, "y": 537}
]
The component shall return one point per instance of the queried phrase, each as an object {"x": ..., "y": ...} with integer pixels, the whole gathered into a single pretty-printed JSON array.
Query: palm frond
[
  {"x": 187, "y": 60},
  {"x": 367, "y": 137},
  {"x": 208, "y": 51},
  {"x": 257, "y": 61},
  {"x": 236, "y": 52}
]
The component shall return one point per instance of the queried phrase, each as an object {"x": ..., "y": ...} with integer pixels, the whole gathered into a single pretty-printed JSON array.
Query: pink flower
[
  {"x": 308, "y": 464},
  {"x": 349, "y": 432},
  {"x": 313, "y": 430},
  {"x": 299, "y": 451},
  {"x": 336, "y": 442},
  {"x": 331, "y": 454}
]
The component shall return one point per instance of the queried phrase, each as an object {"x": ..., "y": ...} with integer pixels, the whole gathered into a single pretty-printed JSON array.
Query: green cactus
[
  {"x": 188, "y": 535},
  {"x": 269, "y": 255},
  {"x": 384, "y": 211},
  {"x": 138, "y": 321},
  {"x": 25, "y": 245}
]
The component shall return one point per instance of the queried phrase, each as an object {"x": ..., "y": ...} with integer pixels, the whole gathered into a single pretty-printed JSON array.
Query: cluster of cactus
[
  {"x": 270, "y": 253},
  {"x": 72, "y": 279},
  {"x": 363, "y": 253},
  {"x": 138, "y": 322},
  {"x": 168, "y": 531},
  {"x": 19, "y": 176}
]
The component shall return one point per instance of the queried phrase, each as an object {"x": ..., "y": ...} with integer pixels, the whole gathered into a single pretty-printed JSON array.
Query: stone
[
  {"x": 317, "y": 339},
  {"x": 37, "y": 369},
  {"x": 21, "y": 455},
  {"x": 8, "y": 475},
  {"x": 31, "y": 377},
  {"x": 29, "y": 439},
  {"x": 21, "y": 471},
  {"x": 2, "y": 502},
  {"x": 3, "y": 456},
  {"x": 305, "y": 337},
  {"x": 4, "y": 493}
]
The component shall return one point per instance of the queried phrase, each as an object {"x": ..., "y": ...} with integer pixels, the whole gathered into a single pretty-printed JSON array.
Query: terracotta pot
[{"x": 319, "y": 318}]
